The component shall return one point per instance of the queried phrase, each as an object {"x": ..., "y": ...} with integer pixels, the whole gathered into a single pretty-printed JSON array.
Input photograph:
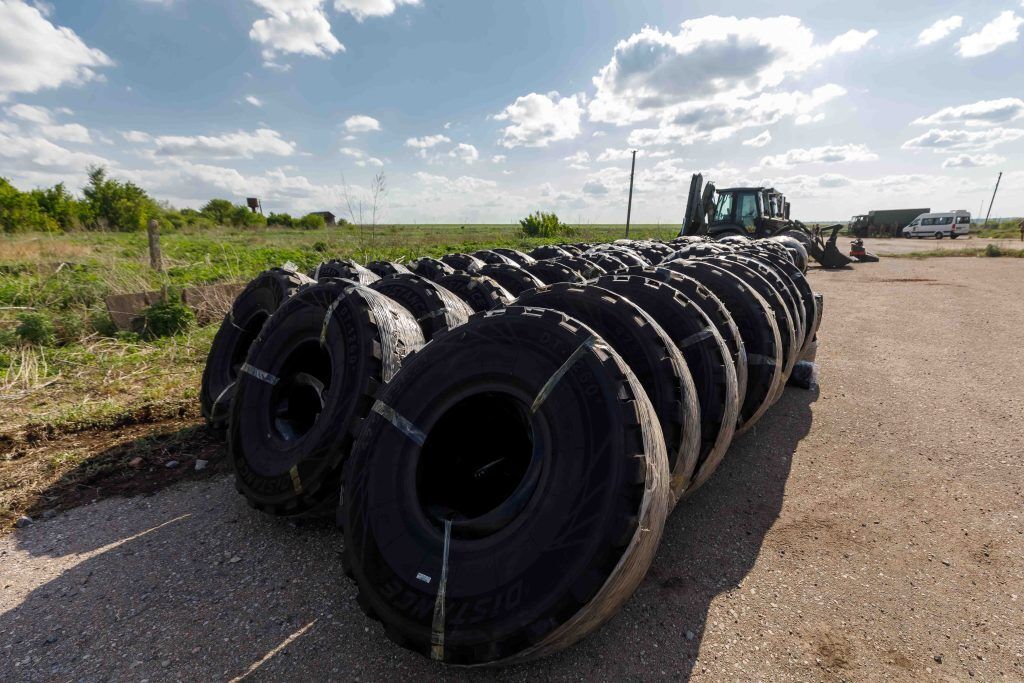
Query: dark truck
[{"x": 884, "y": 223}]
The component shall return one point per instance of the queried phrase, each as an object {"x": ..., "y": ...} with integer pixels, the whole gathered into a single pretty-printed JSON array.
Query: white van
[{"x": 951, "y": 224}]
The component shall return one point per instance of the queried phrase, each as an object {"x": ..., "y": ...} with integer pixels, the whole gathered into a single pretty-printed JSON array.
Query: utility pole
[
  {"x": 992, "y": 201},
  {"x": 629, "y": 207}
]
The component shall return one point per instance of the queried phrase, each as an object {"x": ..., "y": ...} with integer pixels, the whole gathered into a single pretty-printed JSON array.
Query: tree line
[{"x": 110, "y": 204}]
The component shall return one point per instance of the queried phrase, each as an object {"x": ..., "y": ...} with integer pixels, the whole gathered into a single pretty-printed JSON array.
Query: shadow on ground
[{"x": 193, "y": 585}]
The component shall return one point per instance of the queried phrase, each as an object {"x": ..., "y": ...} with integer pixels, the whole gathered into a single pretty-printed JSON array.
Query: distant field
[{"x": 84, "y": 372}]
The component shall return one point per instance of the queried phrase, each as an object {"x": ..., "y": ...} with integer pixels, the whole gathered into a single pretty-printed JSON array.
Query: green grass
[
  {"x": 87, "y": 374},
  {"x": 989, "y": 251}
]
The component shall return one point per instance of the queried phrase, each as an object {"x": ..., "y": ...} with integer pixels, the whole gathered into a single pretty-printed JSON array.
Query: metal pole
[
  {"x": 629, "y": 207},
  {"x": 992, "y": 201}
]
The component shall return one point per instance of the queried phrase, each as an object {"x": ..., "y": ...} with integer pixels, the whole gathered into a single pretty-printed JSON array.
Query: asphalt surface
[{"x": 869, "y": 530}]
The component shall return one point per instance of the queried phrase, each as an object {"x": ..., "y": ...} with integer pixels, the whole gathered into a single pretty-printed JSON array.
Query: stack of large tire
[{"x": 502, "y": 434}]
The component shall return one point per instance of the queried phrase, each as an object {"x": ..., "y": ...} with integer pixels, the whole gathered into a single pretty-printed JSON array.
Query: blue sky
[{"x": 483, "y": 111}]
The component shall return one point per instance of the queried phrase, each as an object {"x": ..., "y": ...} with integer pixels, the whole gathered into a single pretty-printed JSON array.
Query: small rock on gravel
[
  {"x": 23, "y": 521},
  {"x": 201, "y": 464},
  {"x": 171, "y": 464}
]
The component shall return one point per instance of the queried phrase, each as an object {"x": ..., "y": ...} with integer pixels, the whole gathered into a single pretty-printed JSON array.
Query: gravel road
[
  {"x": 891, "y": 246},
  {"x": 868, "y": 531}
]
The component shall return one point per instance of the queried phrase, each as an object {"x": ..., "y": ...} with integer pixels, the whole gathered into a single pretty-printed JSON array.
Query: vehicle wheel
[
  {"x": 435, "y": 308},
  {"x": 345, "y": 269},
  {"x": 480, "y": 292},
  {"x": 938, "y": 235},
  {"x": 756, "y": 322},
  {"x": 551, "y": 495},
  {"x": 242, "y": 324},
  {"x": 308, "y": 383},
  {"x": 511, "y": 277},
  {"x": 652, "y": 356},
  {"x": 953, "y": 235},
  {"x": 707, "y": 357},
  {"x": 550, "y": 272}
]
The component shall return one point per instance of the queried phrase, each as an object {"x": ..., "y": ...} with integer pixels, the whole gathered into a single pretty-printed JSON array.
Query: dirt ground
[{"x": 870, "y": 530}]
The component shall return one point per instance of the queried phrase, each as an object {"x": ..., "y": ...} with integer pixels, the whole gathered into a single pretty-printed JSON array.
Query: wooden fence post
[{"x": 156, "y": 261}]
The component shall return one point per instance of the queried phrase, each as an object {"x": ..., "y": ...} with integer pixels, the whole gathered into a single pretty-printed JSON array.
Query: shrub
[
  {"x": 543, "y": 224},
  {"x": 283, "y": 220},
  {"x": 320, "y": 246},
  {"x": 218, "y": 210},
  {"x": 311, "y": 221},
  {"x": 114, "y": 204},
  {"x": 166, "y": 318},
  {"x": 35, "y": 328}
]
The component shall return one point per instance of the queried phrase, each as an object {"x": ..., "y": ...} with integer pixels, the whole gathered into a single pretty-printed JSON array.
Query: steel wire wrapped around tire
[
  {"x": 385, "y": 268},
  {"x": 707, "y": 357},
  {"x": 345, "y": 269},
  {"x": 652, "y": 356},
  {"x": 431, "y": 268},
  {"x": 466, "y": 263},
  {"x": 756, "y": 322},
  {"x": 435, "y": 308},
  {"x": 309, "y": 380},
  {"x": 480, "y": 292},
  {"x": 250, "y": 310},
  {"x": 511, "y": 277},
  {"x": 531, "y": 544},
  {"x": 519, "y": 257}
]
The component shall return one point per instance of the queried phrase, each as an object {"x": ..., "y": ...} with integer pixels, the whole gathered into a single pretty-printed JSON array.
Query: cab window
[
  {"x": 723, "y": 212},
  {"x": 747, "y": 210}
]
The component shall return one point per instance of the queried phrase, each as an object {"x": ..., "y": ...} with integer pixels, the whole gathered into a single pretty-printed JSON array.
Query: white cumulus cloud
[
  {"x": 1002, "y": 30},
  {"x": 36, "y": 55},
  {"x": 759, "y": 140},
  {"x": 981, "y": 113},
  {"x": 361, "y": 9},
  {"x": 427, "y": 141},
  {"x": 826, "y": 154},
  {"x": 360, "y": 123},
  {"x": 294, "y": 27},
  {"x": 652, "y": 70},
  {"x": 254, "y": 101},
  {"x": 939, "y": 30},
  {"x": 945, "y": 140},
  {"x": 465, "y": 152},
  {"x": 972, "y": 160},
  {"x": 238, "y": 145},
  {"x": 536, "y": 120}
]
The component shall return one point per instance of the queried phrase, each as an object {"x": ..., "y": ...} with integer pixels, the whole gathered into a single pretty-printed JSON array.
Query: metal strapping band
[
  {"x": 549, "y": 386},
  {"x": 327, "y": 317},
  {"x": 437, "y": 628},
  {"x": 758, "y": 359},
  {"x": 259, "y": 374},
  {"x": 220, "y": 396},
  {"x": 695, "y": 337},
  {"x": 296, "y": 482},
  {"x": 316, "y": 273},
  {"x": 399, "y": 422},
  {"x": 433, "y": 314}
]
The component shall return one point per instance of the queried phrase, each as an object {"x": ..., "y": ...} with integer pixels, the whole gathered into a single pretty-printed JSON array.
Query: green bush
[
  {"x": 311, "y": 221},
  {"x": 117, "y": 205},
  {"x": 543, "y": 224},
  {"x": 35, "y": 328},
  {"x": 20, "y": 212},
  {"x": 167, "y": 318},
  {"x": 320, "y": 247},
  {"x": 219, "y": 211},
  {"x": 283, "y": 220}
]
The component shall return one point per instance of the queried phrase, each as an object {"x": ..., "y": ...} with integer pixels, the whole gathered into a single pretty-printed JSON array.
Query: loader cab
[{"x": 752, "y": 211}]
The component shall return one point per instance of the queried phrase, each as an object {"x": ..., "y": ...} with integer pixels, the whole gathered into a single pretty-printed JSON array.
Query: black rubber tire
[
  {"x": 385, "y": 268},
  {"x": 513, "y": 278},
  {"x": 586, "y": 268},
  {"x": 712, "y": 369},
  {"x": 550, "y": 272},
  {"x": 714, "y": 309},
  {"x": 585, "y": 506},
  {"x": 783, "y": 285},
  {"x": 696, "y": 250},
  {"x": 435, "y": 308},
  {"x": 606, "y": 261},
  {"x": 519, "y": 257},
  {"x": 802, "y": 286},
  {"x": 652, "y": 356},
  {"x": 787, "y": 328},
  {"x": 431, "y": 268},
  {"x": 463, "y": 262},
  {"x": 546, "y": 251},
  {"x": 492, "y": 257},
  {"x": 572, "y": 249},
  {"x": 756, "y": 321},
  {"x": 344, "y": 269},
  {"x": 653, "y": 252},
  {"x": 626, "y": 255},
  {"x": 309, "y": 382},
  {"x": 251, "y": 309},
  {"x": 480, "y": 292}
]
